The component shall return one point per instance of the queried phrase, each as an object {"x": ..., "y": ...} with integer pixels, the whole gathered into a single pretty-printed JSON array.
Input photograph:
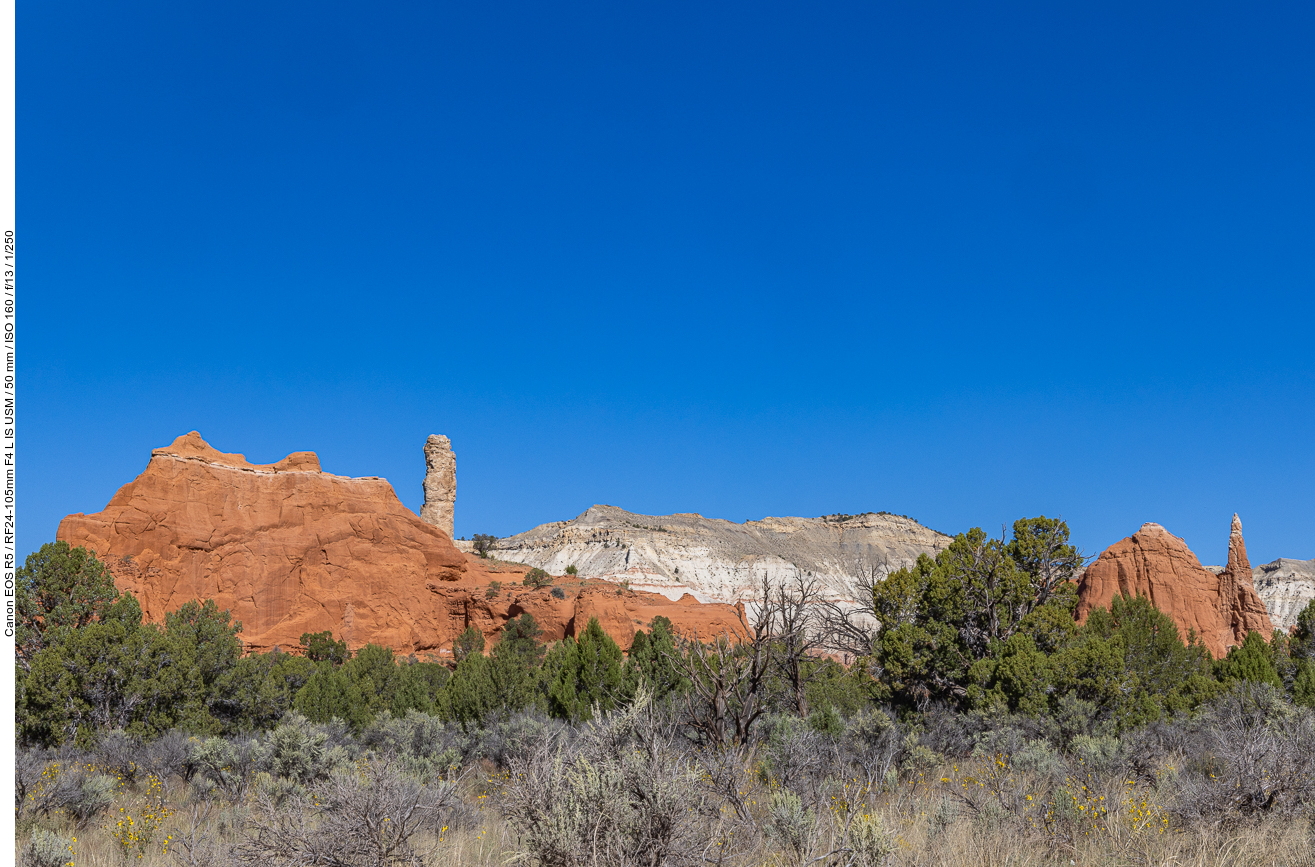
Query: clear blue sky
[{"x": 966, "y": 262}]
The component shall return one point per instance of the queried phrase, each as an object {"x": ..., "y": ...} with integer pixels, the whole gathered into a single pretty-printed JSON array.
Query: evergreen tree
[
  {"x": 651, "y": 662},
  {"x": 58, "y": 588},
  {"x": 471, "y": 640},
  {"x": 210, "y": 638},
  {"x": 320, "y": 647},
  {"x": 1248, "y": 661},
  {"x": 1131, "y": 662},
  {"x": 374, "y": 672},
  {"x": 331, "y": 693},
  {"x": 514, "y": 666},
  {"x": 471, "y": 695},
  {"x": 944, "y": 621},
  {"x": 590, "y": 676},
  {"x": 112, "y": 673},
  {"x": 417, "y": 688},
  {"x": 259, "y": 690}
]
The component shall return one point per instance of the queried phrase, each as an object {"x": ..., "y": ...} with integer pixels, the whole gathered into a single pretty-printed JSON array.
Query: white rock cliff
[
  {"x": 1286, "y": 586},
  {"x": 721, "y": 561}
]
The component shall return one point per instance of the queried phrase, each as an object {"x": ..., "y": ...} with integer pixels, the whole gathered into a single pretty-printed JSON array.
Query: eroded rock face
[
  {"x": 439, "y": 508},
  {"x": 1154, "y": 563},
  {"x": 1287, "y": 587},
  {"x": 290, "y": 549},
  {"x": 721, "y": 561}
]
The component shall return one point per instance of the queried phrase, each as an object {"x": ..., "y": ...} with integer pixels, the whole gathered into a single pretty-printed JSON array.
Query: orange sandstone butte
[
  {"x": 289, "y": 549},
  {"x": 1154, "y": 563}
]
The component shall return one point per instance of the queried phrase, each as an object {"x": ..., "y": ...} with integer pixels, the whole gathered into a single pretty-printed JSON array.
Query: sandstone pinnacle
[{"x": 440, "y": 484}]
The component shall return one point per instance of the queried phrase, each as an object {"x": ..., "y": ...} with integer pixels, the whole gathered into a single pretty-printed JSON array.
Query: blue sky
[{"x": 965, "y": 262}]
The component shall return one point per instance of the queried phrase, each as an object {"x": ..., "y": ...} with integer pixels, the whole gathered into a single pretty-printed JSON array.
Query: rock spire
[
  {"x": 1238, "y": 601},
  {"x": 440, "y": 484}
]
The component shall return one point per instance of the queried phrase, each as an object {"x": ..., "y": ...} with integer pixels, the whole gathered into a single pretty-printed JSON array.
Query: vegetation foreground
[{"x": 976, "y": 724}]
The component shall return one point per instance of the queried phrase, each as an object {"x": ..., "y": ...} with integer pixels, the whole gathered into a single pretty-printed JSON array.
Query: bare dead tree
[
  {"x": 850, "y": 627},
  {"x": 791, "y": 617},
  {"x": 727, "y": 678}
]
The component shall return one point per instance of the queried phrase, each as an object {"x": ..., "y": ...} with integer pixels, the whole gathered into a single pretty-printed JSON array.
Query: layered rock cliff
[
  {"x": 1287, "y": 587},
  {"x": 1221, "y": 609},
  {"x": 291, "y": 549},
  {"x": 716, "y": 560}
]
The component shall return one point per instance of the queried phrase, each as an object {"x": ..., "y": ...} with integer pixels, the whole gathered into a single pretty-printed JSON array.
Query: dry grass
[{"x": 975, "y": 814}]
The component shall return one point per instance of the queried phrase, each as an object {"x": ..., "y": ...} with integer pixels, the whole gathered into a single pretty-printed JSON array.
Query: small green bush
[
  {"x": 571, "y": 570},
  {"x": 558, "y": 593},
  {"x": 47, "y": 849},
  {"x": 495, "y": 587},
  {"x": 537, "y": 578},
  {"x": 483, "y": 542}
]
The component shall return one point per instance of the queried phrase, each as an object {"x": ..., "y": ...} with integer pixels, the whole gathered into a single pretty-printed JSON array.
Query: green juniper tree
[{"x": 589, "y": 675}]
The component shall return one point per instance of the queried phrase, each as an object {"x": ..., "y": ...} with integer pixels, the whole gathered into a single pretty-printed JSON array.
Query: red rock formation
[
  {"x": 1152, "y": 562},
  {"x": 291, "y": 549}
]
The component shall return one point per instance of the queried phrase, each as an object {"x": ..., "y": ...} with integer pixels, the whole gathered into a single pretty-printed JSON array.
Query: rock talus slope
[
  {"x": 716, "y": 560},
  {"x": 1154, "y": 563},
  {"x": 291, "y": 549}
]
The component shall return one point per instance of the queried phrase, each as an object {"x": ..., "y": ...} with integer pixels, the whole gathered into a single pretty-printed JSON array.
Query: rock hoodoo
[
  {"x": 291, "y": 549},
  {"x": 1154, "y": 563},
  {"x": 439, "y": 508}
]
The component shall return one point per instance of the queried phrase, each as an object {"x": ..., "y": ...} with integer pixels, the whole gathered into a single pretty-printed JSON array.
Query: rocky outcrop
[
  {"x": 291, "y": 549},
  {"x": 1287, "y": 587},
  {"x": 721, "y": 561},
  {"x": 1221, "y": 609},
  {"x": 440, "y": 503}
]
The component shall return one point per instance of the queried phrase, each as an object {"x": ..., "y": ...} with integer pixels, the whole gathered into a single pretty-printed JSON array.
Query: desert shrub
[
  {"x": 571, "y": 570},
  {"x": 790, "y": 824},
  {"x": 536, "y": 578},
  {"x": 796, "y": 757},
  {"x": 47, "y": 849},
  {"x": 558, "y": 593},
  {"x": 165, "y": 756},
  {"x": 88, "y": 795},
  {"x": 621, "y": 795},
  {"x": 366, "y": 815},
  {"x": 870, "y": 844},
  {"x": 495, "y": 587},
  {"x": 1100, "y": 754},
  {"x": 303, "y": 751},
  {"x": 31, "y": 787},
  {"x": 422, "y": 745},
  {"x": 194, "y": 842},
  {"x": 518, "y": 734},
  {"x": 1250, "y": 755},
  {"x": 118, "y": 752},
  {"x": 63, "y": 782},
  {"x": 872, "y": 747},
  {"x": 217, "y": 766}
]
